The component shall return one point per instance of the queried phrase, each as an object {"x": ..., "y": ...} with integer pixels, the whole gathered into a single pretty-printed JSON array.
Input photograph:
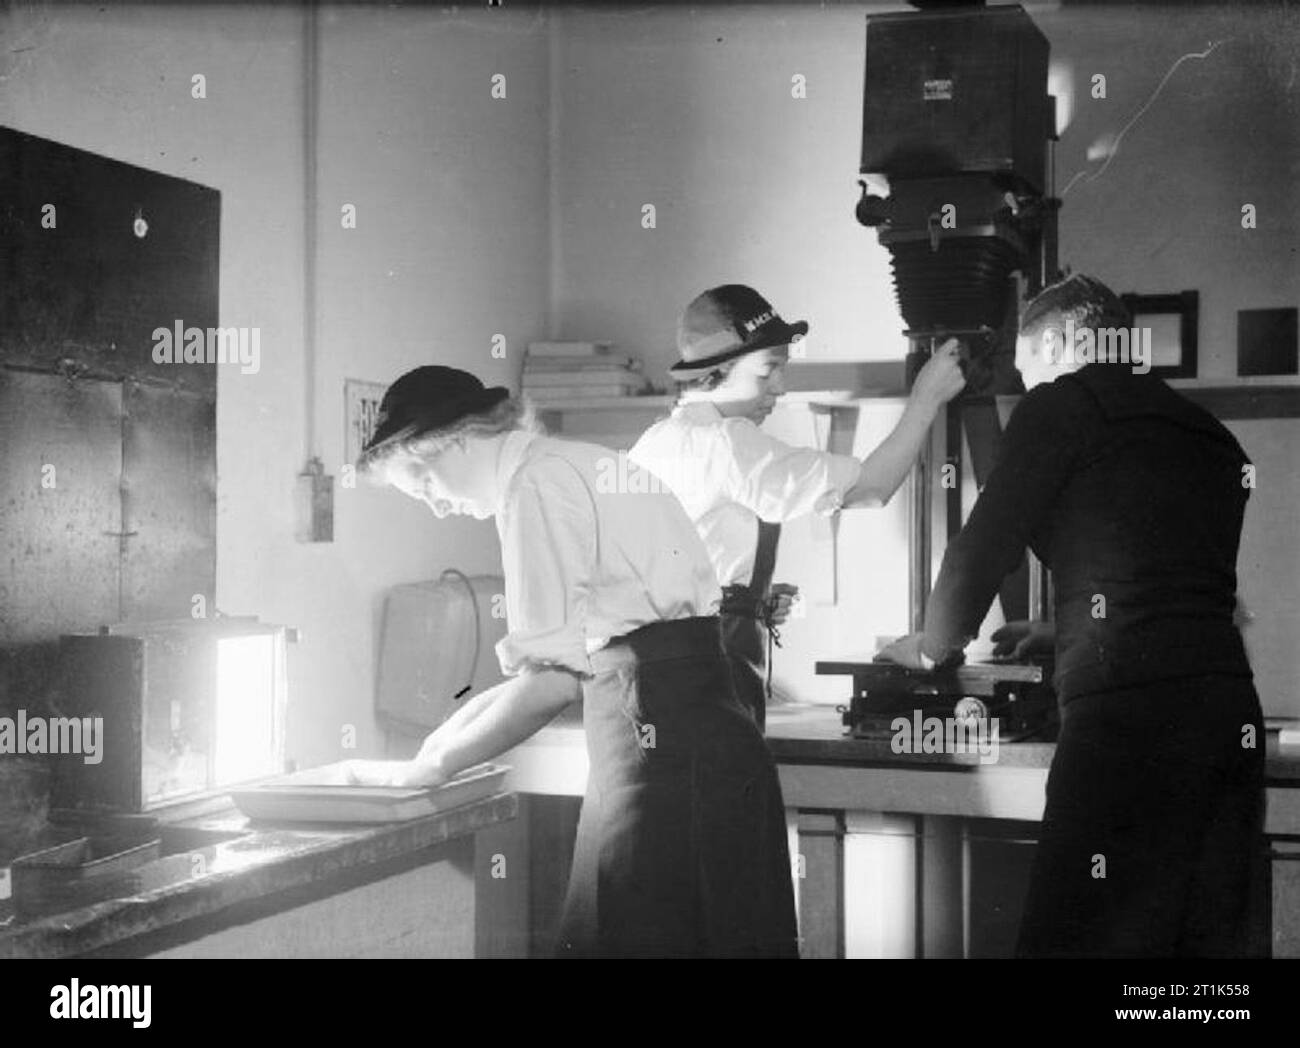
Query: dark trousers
[{"x": 1152, "y": 835}]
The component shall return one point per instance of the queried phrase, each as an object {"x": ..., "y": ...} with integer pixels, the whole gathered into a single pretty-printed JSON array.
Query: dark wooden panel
[
  {"x": 90, "y": 290},
  {"x": 821, "y": 888},
  {"x": 81, "y": 291},
  {"x": 168, "y": 503},
  {"x": 58, "y": 545}
]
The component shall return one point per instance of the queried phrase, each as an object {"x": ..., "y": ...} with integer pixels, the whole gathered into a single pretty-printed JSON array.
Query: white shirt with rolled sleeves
[
  {"x": 586, "y": 559},
  {"x": 729, "y": 475}
]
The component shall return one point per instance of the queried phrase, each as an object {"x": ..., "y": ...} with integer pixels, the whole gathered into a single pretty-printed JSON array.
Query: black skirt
[{"x": 681, "y": 848}]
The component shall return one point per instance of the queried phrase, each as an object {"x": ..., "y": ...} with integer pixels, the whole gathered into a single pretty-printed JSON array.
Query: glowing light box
[{"x": 188, "y": 709}]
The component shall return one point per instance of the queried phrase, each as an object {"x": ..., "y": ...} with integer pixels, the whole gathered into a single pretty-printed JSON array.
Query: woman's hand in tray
[{"x": 421, "y": 773}]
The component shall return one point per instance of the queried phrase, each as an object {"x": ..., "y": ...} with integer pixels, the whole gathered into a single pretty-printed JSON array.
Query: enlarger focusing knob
[{"x": 970, "y": 709}]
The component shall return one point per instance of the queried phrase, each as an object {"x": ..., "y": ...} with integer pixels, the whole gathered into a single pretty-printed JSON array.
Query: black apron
[
  {"x": 745, "y": 627},
  {"x": 681, "y": 848}
]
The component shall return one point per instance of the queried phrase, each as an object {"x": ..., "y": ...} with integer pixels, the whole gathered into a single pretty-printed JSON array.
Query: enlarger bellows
[{"x": 962, "y": 285}]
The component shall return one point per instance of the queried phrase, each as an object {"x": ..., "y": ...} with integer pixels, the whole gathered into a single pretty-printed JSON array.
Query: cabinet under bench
[{"x": 894, "y": 855}]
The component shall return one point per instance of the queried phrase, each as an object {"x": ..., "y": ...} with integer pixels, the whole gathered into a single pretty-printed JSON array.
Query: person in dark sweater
[{"x": 1134, "y": 498}]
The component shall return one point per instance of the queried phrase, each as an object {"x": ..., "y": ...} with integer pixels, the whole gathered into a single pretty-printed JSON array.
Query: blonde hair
[{"x": 513, "y": 413}]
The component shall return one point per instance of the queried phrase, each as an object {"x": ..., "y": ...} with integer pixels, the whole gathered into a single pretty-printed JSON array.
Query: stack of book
[{"x": 561, "y": 371}]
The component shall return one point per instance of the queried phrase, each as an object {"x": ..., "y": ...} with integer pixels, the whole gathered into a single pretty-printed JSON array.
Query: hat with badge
[
  {"x": 727, "y": 322},
  {"x": 428, "y": 399}
]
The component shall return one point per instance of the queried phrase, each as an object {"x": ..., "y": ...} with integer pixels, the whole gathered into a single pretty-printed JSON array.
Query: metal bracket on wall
[{"x": 122, "y": 536}]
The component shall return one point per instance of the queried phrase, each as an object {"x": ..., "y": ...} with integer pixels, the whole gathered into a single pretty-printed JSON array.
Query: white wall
[
  {"x": 691, "y": 110},
  {"x": 450, "y": 247},
  {"x": 1224, "y": 131}
]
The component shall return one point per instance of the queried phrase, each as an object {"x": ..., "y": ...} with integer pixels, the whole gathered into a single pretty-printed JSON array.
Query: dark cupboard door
[
  {"x": 60, "y": 504},
  {"x": 169, "y": 492},
  {"x": 127, "y": 531},
  {"x": 89, "y": 290}
]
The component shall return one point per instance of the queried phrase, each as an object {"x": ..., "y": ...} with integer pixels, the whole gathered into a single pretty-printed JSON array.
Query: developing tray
[{"x": 323, "y": 795}]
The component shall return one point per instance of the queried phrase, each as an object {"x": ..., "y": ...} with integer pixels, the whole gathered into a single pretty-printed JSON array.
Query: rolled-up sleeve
[
  {"x": 778, "y": 481},
  {"x": 548, "y": 553}
]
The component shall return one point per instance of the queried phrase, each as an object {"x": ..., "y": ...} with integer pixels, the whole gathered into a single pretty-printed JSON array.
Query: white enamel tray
[{"x": 322, "y": 795}]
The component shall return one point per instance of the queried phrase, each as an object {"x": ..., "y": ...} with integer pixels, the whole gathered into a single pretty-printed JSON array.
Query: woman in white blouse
[
  {"x": 739, "y": 484},
  {"x": 610, "y": 598}
]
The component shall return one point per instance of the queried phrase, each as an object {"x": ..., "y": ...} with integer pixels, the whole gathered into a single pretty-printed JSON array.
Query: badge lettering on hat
[{"x": 711, "y": 330}]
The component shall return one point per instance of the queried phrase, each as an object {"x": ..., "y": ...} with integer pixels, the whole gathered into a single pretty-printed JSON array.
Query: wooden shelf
[{"x": 661, "y": 402}]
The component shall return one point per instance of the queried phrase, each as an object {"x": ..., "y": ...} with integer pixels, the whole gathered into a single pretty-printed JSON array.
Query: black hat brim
[
  {"x": 772, "y": 335},
  {"x": 421, "y": 424}
]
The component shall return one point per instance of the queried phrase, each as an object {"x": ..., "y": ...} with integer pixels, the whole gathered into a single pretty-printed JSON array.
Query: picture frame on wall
[
  {"x": 360, "y": 413},
  {"x": 1173, "y": 320}
]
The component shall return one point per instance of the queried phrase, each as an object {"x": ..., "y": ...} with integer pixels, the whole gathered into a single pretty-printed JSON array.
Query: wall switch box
[{"x": 315, "y": 504}]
